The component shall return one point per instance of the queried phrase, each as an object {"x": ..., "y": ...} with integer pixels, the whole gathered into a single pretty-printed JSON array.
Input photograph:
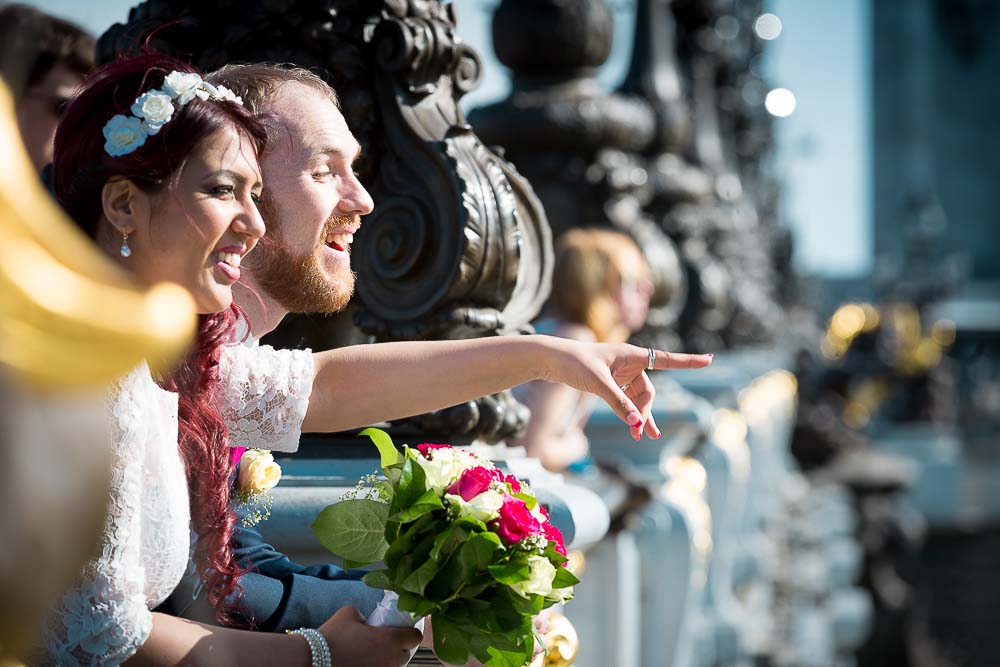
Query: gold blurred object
[
  {"x": 562, "y": 643},
  {"x": 68, "y": 316},
  {"x": 576, "y": 562},
  {"x": 70, "y": 323}
]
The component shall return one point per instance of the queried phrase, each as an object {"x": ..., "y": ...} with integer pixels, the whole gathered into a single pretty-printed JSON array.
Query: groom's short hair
[{"x": 257, "y": 83}]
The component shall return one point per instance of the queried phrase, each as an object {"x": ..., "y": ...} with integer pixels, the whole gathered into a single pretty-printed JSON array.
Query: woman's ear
[{"x": 125, "y": 206}]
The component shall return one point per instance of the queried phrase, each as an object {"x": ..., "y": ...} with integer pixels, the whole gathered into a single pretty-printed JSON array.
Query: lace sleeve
[
  {"x": 264, "y": 395},
  {"x": 104, "y": 618}
]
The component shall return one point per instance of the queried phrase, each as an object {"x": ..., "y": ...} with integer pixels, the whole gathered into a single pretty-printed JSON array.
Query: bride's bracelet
[{"x": 318, "y": 647}]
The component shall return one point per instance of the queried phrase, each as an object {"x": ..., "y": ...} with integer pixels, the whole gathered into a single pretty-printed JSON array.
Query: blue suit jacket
[{"x": 278, "y": 594}]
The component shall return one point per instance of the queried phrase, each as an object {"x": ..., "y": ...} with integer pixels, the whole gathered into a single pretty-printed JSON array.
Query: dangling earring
[{"x": 125, "y": 250}]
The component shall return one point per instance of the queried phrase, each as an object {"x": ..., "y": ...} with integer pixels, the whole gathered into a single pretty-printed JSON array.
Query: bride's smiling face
[{"x": 196, "y": 230}]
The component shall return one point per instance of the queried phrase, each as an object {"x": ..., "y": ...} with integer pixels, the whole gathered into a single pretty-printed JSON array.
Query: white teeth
[
  {"x": 340, "y": 239},
  {"x": 230, "y": 258}
]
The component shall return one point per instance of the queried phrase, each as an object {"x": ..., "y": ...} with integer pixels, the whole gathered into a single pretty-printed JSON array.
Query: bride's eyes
[{"x": 222, "y": 191}]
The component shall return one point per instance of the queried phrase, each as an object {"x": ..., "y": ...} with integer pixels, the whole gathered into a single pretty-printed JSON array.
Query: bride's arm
[
  {"x": 176, "y": 641},
  {"x": 363, "y": 384}
]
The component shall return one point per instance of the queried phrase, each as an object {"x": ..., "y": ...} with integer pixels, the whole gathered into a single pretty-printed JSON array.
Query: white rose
[
  {"x": 444, "y": 467},
  {"x": 156, "y": 108},
  {"x": 540, "y": 582},
  {"x": 258, "y": 471},
  {"x": 123, "y": 135},
  {"x": 485, "y": 507},
  {"x": 229, "y": 96},
  {"x": 182, "y": 85},
  {"x": 561, "y": 595}
]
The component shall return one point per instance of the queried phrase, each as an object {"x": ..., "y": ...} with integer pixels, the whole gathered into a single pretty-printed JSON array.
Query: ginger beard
[{"x": 300, "y": 283}]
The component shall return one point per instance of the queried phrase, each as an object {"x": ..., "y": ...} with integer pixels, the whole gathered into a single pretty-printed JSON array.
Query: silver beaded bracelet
[{"x": 318, "y": 647}]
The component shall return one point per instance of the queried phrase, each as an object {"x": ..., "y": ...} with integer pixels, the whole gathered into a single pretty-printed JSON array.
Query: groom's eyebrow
[{"x": 337, "y": 152}]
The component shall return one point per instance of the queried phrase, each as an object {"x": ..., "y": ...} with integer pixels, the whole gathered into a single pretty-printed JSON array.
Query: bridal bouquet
[{"x": 461, "y": 542}]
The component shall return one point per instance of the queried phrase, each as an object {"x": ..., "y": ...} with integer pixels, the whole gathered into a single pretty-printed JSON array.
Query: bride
[{"x": 161, "y": 169}]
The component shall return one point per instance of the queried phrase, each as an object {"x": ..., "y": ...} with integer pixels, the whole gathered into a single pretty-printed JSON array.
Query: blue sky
[{"x": 824, "y": 148}]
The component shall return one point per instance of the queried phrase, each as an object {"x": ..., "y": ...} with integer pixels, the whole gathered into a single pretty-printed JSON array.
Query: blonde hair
[
  {"x": 591, "y": 265},
  {"x": 257, "y": 83}
]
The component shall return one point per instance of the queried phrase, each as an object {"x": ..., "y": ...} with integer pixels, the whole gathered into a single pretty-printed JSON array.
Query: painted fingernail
[
  {"x": 633, "y": 419},
  {"x": 658, "y": 434},
  {"x": 709, "y": 355}
]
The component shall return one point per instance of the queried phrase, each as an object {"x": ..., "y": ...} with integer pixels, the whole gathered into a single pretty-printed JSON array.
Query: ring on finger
[
  {"x": 625, "y": 386},
  {"x": 652, "y": 358}
]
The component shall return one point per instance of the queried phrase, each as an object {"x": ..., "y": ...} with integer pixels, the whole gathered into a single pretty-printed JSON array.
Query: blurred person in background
[
  {"x": 601, "y": 289},
  {"x": 43, "y": 59}
]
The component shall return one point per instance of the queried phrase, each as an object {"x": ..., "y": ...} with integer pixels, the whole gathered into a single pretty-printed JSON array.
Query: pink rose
[
  {"x": 515, "y": 485},
  {"x": 553, "y": 534},
  {"x": 426, "y": 447},
  {"x": 516, "y": 522},
  {"x": 472, "y": 482}
]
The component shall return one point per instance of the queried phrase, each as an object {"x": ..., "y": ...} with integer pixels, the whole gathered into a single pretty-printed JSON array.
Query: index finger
[{"x": 666, "y": 361}]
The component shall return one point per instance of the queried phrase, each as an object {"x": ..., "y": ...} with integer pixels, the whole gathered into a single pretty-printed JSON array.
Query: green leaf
[
  {"x": 428, "y": 502},
  {"x": 415, "y": 604},
  {"x": 477, "y": 552},
  {"x": 564, "y": 578},
  {"x": 447, "y": 541},
  {"x": 451, "y": 644},
  {"x": 411, "y": 485},
  {"x": 353, "y": 529},
  {"x": 528, "y": 499},
  {"x": 377, "y": 579},
  {"x": 387, "y": 451},
  {"x": 513, "y": 571},
  {"x": 420, "y": 577}
]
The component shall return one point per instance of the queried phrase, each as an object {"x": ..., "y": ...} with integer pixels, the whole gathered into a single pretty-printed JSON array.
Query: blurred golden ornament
[{"x": 562, "y": 643}]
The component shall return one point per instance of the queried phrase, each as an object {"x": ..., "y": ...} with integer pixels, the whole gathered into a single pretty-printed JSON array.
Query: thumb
[
  {"x": 621, "y": 404},
  {"x": 351, "y": 612}
]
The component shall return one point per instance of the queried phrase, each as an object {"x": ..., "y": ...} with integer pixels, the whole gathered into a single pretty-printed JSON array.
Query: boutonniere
[{"x": 257, "y": 474}]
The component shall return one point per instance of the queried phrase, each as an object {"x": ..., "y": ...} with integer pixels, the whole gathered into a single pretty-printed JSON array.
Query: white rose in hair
[
  {"x": 229, "y": 96},
  {"x": 123, "y": 135},
  {"x": 182, "y": 85},
  {"x": 155, "y": 108}
]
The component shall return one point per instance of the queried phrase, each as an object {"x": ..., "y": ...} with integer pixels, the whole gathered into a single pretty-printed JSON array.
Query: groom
[{"x": 312, "y": 207}]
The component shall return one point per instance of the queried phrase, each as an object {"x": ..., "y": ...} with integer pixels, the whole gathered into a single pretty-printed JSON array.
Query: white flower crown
[{"x": 154, "y": 109}]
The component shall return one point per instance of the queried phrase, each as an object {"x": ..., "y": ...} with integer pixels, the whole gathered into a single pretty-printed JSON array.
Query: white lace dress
[{"x": 145, "y": 544}]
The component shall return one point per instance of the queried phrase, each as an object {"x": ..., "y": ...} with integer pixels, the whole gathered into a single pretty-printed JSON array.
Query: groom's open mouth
[{"x": 339, "y": 240}]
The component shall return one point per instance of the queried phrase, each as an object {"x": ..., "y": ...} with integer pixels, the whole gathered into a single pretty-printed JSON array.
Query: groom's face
[{"x": 312, "y": 204}]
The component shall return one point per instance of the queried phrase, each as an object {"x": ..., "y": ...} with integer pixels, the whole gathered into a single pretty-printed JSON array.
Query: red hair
[{"x": 80, "y": 169}]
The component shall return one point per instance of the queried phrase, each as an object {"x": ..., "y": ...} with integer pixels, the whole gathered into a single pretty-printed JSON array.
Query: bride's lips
[{"x": 228, "y": 261}]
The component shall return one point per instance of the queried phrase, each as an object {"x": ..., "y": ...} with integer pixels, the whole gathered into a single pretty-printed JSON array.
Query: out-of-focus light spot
[
  {"x": 872, "y": 317},
  {"x": 780, "y": 102},
  {"x": 848, "y": 321},
  {"x": 727, "y": 27},
  {"x": 943, "y": 332},
  {"x": 767, "y": 26}
]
